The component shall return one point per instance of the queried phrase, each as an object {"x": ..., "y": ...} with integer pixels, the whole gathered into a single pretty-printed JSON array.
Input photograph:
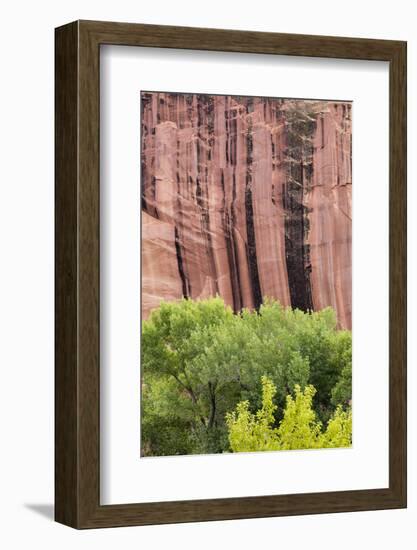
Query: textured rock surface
[{"x": 246, "y": 198}]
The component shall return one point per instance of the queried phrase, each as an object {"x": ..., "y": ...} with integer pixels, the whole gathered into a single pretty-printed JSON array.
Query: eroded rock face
[{"x": 246, "y": 198}]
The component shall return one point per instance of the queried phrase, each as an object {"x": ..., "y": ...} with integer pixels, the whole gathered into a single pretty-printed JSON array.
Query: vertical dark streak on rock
[
  {"x": 338, "y": 146},
  {"x": 203, "y": 202},
  {"x": 349, "y": 118},
  {"x": 148, "y": 183},
  {"x": 240, "y": 305},
  {"x": 144, "y": 106},
  {"x": 231, "y": 250},
  {"x": 177, "y": 165},
  {"x": 143, "y": 180},
  {"x": 250, "y": 228},
  {"x": 234, "y": 144},
  {"x": 299, "y": 160},
  {"x": 153, "y": 198},
  {"x": 226, "y": 121},
  {"x": 342, "y": 151},
  {"x": 186, "y": 288},
  {"x": 158, "y": 112},
  {"x": 186, "y": 284}
]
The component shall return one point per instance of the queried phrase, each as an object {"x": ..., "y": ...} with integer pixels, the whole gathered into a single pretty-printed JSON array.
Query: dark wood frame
[{"x": 77, "y": 373}]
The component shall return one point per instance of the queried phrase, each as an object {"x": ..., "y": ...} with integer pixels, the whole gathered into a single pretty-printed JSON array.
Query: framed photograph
[{"x": 230, "y": 274}]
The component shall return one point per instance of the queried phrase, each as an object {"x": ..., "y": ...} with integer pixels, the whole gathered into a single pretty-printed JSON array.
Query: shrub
[{"x": 299, "y": 428}]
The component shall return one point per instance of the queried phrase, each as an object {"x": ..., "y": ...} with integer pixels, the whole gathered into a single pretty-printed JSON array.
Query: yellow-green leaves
[
  {"x": 298, "y": 429},
  {"x": 339, "y": 429},
  {"x": 254, "y": 432}
]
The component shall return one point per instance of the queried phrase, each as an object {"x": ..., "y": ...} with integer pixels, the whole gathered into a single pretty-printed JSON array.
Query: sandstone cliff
[{"x": 246, "y": 198}]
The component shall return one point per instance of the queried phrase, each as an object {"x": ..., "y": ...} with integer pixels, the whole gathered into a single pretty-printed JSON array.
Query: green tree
[
  {"x": 254, "y": 432},
  {"x": 173, "y": 339},
  {"x": 167, "y": 418},
  {"x": 299, "y": 428}
]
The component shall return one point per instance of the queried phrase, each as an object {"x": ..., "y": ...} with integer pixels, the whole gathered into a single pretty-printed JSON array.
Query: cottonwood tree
[{"x": 299, "y": 428}]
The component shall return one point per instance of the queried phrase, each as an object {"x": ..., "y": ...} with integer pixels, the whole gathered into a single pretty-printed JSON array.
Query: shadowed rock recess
[{"x": 246, "y": 197}]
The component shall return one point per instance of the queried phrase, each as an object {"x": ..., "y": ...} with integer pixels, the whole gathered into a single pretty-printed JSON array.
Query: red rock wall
[
  {"x": 246, "y": 198},
  {"x": 330, "y": 202}
]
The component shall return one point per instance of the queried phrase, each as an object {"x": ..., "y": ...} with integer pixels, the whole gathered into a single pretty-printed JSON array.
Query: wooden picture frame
[{"x": 77, "y": 382}]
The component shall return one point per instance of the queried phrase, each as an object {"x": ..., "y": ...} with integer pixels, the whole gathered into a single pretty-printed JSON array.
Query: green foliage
[
  {"x": 339, "y": 429},
  {"x": 299, "y": 428},
  {"x": 342, "y": 391},
  {"x": 167, "y": 418},
  {"x": 200, "y": 360},
  {"x": 254, "y": 432}
]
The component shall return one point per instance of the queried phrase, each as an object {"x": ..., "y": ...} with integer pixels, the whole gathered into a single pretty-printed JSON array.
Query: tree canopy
[{"x": 200, "y": 361}]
